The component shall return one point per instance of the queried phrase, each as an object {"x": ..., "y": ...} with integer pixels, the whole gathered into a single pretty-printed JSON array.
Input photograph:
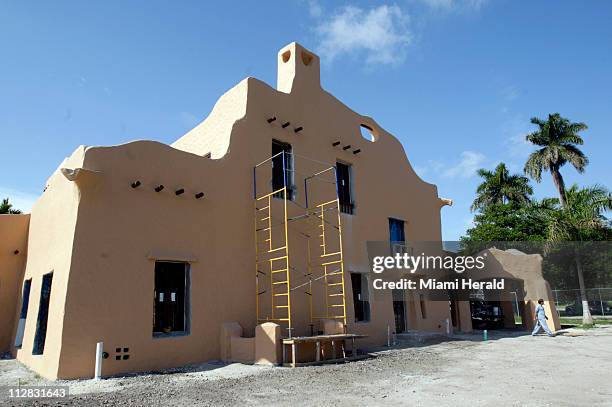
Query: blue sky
[{"x": 455, "y": 80}]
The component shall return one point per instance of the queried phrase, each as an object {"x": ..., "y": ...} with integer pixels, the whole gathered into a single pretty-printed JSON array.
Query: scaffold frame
[{"x": 329, "y": 260}]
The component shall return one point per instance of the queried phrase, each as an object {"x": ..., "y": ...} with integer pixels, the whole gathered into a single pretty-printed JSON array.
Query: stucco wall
[
  {"x": 50, "y": 247},
  {"x": 527, "y": 268},
  {"x": 13, "y": 254}
]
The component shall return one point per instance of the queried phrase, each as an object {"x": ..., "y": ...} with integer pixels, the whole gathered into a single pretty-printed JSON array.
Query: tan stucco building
[{"x": 151, "y": 248}]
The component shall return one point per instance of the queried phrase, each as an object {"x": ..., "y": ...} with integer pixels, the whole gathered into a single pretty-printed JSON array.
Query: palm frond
[
  {"x": 574, "y": 156},
  {"x": 535, "y": 164}
]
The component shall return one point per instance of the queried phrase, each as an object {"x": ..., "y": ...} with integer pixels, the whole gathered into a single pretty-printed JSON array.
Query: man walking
[{"x": 540, "y": 320}]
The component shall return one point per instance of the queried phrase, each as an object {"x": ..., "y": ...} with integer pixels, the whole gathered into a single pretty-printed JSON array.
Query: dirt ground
[{"x": 572, "y": 369}]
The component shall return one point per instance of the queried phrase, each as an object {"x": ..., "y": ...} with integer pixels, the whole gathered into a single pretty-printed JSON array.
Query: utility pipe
[{"x": 99, "y": 351}]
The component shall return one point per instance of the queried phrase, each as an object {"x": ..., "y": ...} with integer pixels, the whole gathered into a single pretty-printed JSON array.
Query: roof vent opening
[
  {"x": 286, "y": 56},
  {"x": 306, "y": 58},
  {"x": 368, "y": 133}
]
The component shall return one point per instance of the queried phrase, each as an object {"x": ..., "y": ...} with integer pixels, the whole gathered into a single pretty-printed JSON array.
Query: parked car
[{"x": 595, "y": 307}]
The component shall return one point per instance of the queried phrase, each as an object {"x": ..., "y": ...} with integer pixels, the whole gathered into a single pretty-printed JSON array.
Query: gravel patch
[{"x": 572, "y": 369}]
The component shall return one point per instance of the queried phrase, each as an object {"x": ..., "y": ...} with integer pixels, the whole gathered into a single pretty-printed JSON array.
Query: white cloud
[
  {"x": 436, "y": 165},
  {"x": 513, "y": 131},
  {"x": 439, "y": 4},
  {"x": 380, "y": 33},
  {"x": 455, "y": 5},
  {"x": 433, "y": 167},
  {"x": 518, "y": 146},
  {"x": 473, "y": 4},
  {"x": 315, "y": 9},
  {"x": 19, "y": 199},
  {"x": 466, "y": 167},
  {"x": 419, "y": 170}
]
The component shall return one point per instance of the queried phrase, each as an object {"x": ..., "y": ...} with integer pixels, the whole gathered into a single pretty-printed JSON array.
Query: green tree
[
  {"x": 582, "y": 219},
  {"x": 500, "y": 187},
  {"x": 558, "y": 138},
  {"x": 511, "y": 222},
  {"x": 7, "y": 208}
]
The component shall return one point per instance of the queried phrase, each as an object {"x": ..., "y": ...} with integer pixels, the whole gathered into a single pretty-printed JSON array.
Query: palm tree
[
  {"x": 581, "y": 218},
  {"x": 558, "y": 138},
  {"x": 499, "y": 187},
  {"x": 7, "y": 208}
]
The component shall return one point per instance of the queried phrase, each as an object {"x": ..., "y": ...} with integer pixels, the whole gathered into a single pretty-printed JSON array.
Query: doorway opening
[{"x": 399, "y": 311}]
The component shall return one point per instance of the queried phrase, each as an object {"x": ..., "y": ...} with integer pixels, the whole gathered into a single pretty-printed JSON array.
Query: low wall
[
  {"x": 242, "y": 349},
  {"x": 264, "y": 348}
]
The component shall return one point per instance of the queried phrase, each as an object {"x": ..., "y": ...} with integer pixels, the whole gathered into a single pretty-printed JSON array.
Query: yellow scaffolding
[
  {"x": 276, "y": 259},
  {"x": 332, "y": 262},
  {"x": 325, "y": 265}
]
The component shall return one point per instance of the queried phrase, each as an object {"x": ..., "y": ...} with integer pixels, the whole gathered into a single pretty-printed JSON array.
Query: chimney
[{"x": 297, "y": 68}]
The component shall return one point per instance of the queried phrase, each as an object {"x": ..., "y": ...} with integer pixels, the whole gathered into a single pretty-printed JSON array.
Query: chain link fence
[{"x": 569, "y": 302}]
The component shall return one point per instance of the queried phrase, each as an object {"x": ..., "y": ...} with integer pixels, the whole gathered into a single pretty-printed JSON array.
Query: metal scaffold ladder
[
  {"x": 332, "y": 260},
  {"x": 272, "y": 261}
]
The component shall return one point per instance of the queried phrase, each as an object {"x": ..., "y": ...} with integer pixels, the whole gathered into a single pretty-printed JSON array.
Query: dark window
[
  {"x": 343, "y": 181},
  {"x": 397, "y": 237},
  {"x": 454, "y": 312},
  {"x": 282, "y": 168},
  {"x": 25, "y": 301},
  {"x": 396, "y": 231},
  {"x": 43, "y": 315},
  {"x": 361, "y": 302},
  {"x": 171, "y": 298}
]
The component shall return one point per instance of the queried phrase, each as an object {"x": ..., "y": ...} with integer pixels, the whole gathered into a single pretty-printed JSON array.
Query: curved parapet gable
[
  {"x": 375, "y": 133},
  {"x": 300, "y": 101},
  {"x": 332, "y": 129},
  {"x": 212, "y": 136}
]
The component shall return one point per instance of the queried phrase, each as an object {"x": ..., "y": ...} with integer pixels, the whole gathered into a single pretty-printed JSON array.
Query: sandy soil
[{"x": 573, "y": 369}]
